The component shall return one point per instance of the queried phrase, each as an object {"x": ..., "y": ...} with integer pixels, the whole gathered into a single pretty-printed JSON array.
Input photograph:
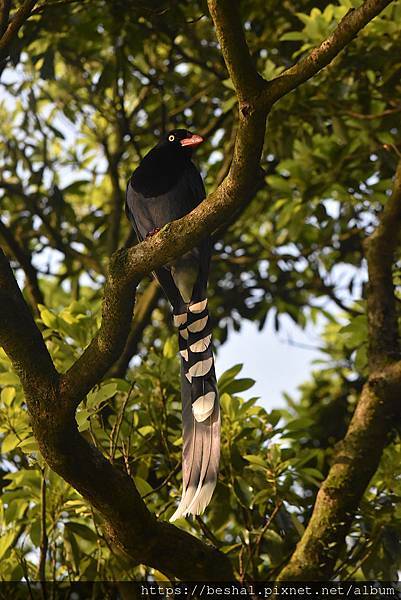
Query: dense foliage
[{"x": 88, "y": 87}]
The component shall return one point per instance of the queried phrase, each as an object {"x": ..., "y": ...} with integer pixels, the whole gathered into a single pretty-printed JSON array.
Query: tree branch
[
  {"x": 320, "y": 57},
  {"x": 379, "y": 249},
  {"x": 143, "y": 311},
  {"x": 358, "y": 455},
  {"x": 34, "y": 291},
  {"x": 5, "y": 7},
  {"x": 247, "y": 81},
  {"x": 22, "y": 340},
  {"x": 15, "y": 25}
]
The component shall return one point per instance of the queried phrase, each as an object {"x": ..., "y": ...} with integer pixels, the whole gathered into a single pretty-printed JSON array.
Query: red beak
[{"x": 192, "y": 141}]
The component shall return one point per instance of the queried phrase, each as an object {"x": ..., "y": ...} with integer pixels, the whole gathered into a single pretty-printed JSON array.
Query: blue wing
[{"x": 148, "y": 213}]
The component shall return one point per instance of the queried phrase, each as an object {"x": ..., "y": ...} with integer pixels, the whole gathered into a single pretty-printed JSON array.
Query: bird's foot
[{"x": 153, "y": 232}]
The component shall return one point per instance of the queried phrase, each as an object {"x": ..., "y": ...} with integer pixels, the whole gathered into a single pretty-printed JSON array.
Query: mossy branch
[{"x": 358, "y": 455}]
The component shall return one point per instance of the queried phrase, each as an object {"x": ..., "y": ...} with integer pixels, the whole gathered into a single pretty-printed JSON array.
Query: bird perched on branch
[{"x": 165, "y": 187}]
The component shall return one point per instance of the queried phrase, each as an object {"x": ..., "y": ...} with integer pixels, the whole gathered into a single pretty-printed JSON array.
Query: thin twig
[
  {"x": 44, "y": 540},
  {"x": 208, "y": 533},
  {"x": 370, "y": 117},
  {"x": 164, "y": 482},
  {"x": 267, "y": 525},
  {"x": 42, "y": 7},
  {"x": 115, "y": 432}
]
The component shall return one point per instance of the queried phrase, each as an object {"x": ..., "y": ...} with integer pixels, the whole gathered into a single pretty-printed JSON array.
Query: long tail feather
[{"x": 200, "y": 414}]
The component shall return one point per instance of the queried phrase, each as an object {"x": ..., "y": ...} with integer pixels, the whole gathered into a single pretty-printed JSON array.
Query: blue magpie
[{"x": 165, "y": 187}]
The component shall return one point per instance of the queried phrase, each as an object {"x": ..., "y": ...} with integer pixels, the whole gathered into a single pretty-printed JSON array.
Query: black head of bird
[
  {"x": 162, "y": 166},
  {"x": 181, "y": 140}
]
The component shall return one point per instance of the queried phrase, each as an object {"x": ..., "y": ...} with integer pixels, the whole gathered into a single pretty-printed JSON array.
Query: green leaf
[
  {"x": 282, "y": 185},
  {"x": 35, "y": 532},
  {"x": 228, "y": 378},
  {"x": 82, "y": 531},
  {"x": 10, "y": 442},
  {"x": 9, "y": 379},
  {"x": 229, "y": 375},
  {"x": 72, "y": 546},
  {"x": 229, "y": 84},
  {"x": 312, "y": 472},
  {"x": 7, "y": 395},
  {"x": 48, "y": 318},
  {"x": 355, "y": 333},
  {"x": 261, "y": 497},
  {"x": 146, "y": 430},
  {"x": 102, "y": 393},
  {"x": 6, "y": 540},
  {"x": 170, "y": 347},
  {"x": 237, "y": 385},
  {"x": 274, "y": 417},
  {"x": 82, "y": 418},
  {"x": 256, "y": 460},
  {"x": 361, "y": 358},
  {"x": 229, "y": 104},
  {"x": 142, "y": 486},
  {"x": 242, "y": 491},
  {"x": 292, "y": 36},
  {"x": 274, "y": 454},
  {"x": 229, "y": 405},
  {"x": 301, "y": 423},
  {"x": 29, "y": 445}
]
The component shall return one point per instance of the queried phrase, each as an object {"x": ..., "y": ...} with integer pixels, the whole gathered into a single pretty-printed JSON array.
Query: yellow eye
[{"x": 171, "y": 138}]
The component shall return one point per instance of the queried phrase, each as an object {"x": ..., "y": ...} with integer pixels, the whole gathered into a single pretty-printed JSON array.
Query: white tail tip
[{"x": 194, "y": 502}]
